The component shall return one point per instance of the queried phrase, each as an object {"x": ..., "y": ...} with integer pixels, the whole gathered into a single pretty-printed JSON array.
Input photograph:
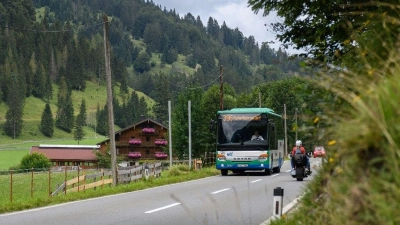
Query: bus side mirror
[
  {"x": 272, "y": 125},
  {"x": 212, "y": 125}
]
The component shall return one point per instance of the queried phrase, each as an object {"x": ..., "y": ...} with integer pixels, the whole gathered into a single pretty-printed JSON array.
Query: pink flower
[
  {"x": 134, "y": 154},
  {"x": 161, "y": 155},
  {"x": 135, "y": 142},
  {"x": 148, "y": 130},
  {"x": 161, "y": 142}
]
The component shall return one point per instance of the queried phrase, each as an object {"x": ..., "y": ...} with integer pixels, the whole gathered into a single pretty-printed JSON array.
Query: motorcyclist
[{"x": 299, "y": 146}]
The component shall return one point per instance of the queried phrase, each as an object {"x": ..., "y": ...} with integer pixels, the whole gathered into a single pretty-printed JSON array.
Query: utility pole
[
  {"x": 284, "y": 117},
  {"x": 170, "y": 133},
  {"x": 295, "y": 114},
  {"x": 221, "y": 88},
  {"x": 111, "y": 132},
  {"x": 190, "y": 133}
]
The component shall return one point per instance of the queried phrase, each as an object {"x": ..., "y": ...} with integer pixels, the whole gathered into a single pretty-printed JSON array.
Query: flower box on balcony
[
  {"x": 160, "y": 142},
  {"x": 148, "y": 130},
  {"x": 135, "y": 142},
  {"x": 161, "y": 155},
  {"x": 134, "y": 155}
]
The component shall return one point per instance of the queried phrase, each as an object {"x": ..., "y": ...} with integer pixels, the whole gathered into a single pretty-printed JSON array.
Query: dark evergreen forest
[{"x": 47, "y": 42}]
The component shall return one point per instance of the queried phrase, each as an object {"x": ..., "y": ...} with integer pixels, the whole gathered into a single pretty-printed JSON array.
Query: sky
[{"x": 235, "y": 13}]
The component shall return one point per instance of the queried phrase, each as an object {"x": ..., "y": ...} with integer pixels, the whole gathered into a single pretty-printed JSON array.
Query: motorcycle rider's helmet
[{"x": 298, "y": 143}]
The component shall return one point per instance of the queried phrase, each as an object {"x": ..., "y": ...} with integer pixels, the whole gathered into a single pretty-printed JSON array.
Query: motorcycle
[{"x": 299, "y": 172}]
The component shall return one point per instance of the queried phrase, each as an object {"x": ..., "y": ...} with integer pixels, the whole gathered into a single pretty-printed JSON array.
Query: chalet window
[
  {"x": 117, "y": 137},
  {"x": 147, "y": 138},
  {"x": 147, "y": 152}
]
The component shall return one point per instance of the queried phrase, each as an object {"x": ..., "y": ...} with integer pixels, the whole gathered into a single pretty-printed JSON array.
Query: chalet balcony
[
  {"x": 161, "y": 142},
  {"x": 134, "y": 155},
  {"x": 135, "y": 142},
  {"x": 160, "y": 155}
]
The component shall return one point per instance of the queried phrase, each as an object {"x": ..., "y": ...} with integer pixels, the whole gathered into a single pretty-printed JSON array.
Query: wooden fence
[
  {"x": 124, "y": 175},
  {"x": 18, "y": 185}
]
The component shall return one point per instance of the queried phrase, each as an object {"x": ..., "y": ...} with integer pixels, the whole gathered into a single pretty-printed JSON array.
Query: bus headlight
[{"x": 263, "y": 156}]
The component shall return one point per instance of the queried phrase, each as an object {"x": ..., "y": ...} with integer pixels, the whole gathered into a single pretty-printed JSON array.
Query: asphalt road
[{"x": 232, "y": 199}]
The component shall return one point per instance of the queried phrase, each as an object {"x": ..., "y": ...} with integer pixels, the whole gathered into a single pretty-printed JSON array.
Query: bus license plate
[{"x": 242, "y": 165}]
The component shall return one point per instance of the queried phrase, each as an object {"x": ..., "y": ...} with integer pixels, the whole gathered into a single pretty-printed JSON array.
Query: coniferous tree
[
  {"x": 102, "y": 120},
  {"x": 48, "y": 89},
  {"x": 162, "y": 96},
  {"x": 14, "y": 122},
  {"x": 80, "y": 122},
  {"x": 47, "y": 122},
  {"x": 81, "y": 118},
  {"x": 39, "y": 82},
  {"x": 65, "y": 112},
  {"x": 78, "y": 132},
  {"x": 131, "y": 108}
]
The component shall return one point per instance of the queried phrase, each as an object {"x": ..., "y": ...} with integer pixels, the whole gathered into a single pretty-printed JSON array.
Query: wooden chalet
[
  {"x": 69, "y": 155},
  {"x": 143, "y": 140}
]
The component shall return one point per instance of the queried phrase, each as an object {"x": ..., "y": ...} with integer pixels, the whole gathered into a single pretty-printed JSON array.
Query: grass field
[{"x": 12, "y": 153}]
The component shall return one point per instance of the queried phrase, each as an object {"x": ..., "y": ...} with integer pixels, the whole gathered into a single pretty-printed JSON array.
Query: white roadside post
[{"x": 278, "y": 200}]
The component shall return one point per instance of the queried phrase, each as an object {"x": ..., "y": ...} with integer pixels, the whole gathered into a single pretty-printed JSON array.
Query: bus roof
[{"x": 249, "y": 110}]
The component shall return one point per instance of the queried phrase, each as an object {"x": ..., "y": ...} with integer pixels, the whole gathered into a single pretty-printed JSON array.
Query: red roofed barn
[{"x": 69, "y": 155}]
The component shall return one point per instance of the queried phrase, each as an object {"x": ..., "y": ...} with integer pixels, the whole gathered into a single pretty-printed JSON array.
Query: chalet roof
[
  {"x": 139, "y": 123},
  {"x": 67, "y": 152},
  {"x": 133, "y": 126}
]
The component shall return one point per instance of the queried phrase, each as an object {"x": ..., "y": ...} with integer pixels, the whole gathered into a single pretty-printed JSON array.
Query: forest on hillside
[{"x": 154, "y": 51}]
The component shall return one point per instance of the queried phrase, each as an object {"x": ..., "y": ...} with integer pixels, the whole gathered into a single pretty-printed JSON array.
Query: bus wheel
[
  {"x": 276, "y": 169},
  {"x": 267, "y": 172},
  {"x": 224, "y": 172}
]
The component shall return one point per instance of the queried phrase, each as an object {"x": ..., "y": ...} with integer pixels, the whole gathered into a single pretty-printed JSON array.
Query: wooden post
[
  {"x": 78, "y": 178},
  {"x": 65, "y": 181},
  {"x": 102, "y": 178},
  {"x": 84, "y": 187},
  {"x": 32, "y": 183},
  {"x": 11, "y": 186},
  {"x": 49, "y": 182},
  {"x": 111, "y": 132}
]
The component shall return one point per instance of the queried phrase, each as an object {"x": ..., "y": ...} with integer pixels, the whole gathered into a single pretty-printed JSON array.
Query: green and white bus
[{"x": 237, "y": 152}]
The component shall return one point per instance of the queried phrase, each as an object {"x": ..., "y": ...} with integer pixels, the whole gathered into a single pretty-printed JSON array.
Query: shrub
[{"x": 36, "y": 161}]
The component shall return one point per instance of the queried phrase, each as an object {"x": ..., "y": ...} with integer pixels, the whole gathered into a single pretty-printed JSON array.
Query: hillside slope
[{"x": 93, "y": 95}]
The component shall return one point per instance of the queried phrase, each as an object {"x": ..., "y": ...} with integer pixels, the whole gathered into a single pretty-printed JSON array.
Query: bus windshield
[{"x": 239, "y": 128}]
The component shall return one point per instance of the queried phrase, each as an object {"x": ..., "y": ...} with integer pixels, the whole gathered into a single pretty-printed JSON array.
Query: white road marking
[
  {"x": 165, "y": 207},
  {"x": 216, "y": 192},
  {"x": 256, "y": 181},
  {"x": 288, "y": 170},
  {"x": 275, "y": 175}
]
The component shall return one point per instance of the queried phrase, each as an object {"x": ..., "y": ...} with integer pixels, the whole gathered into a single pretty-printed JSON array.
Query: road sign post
[{"x": 278, "y": 200}]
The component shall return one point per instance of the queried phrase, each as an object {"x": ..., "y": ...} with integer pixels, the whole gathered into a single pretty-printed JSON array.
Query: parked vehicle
[{"x": 319, "y": 151}]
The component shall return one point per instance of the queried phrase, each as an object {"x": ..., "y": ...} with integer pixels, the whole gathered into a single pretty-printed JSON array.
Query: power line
[
  {"x": 195, "y": 87},
  {"x": 50, "y": 31}
]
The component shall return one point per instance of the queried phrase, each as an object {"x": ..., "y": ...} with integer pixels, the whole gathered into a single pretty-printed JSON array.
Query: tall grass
[{"x": 360, "y": 182}]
